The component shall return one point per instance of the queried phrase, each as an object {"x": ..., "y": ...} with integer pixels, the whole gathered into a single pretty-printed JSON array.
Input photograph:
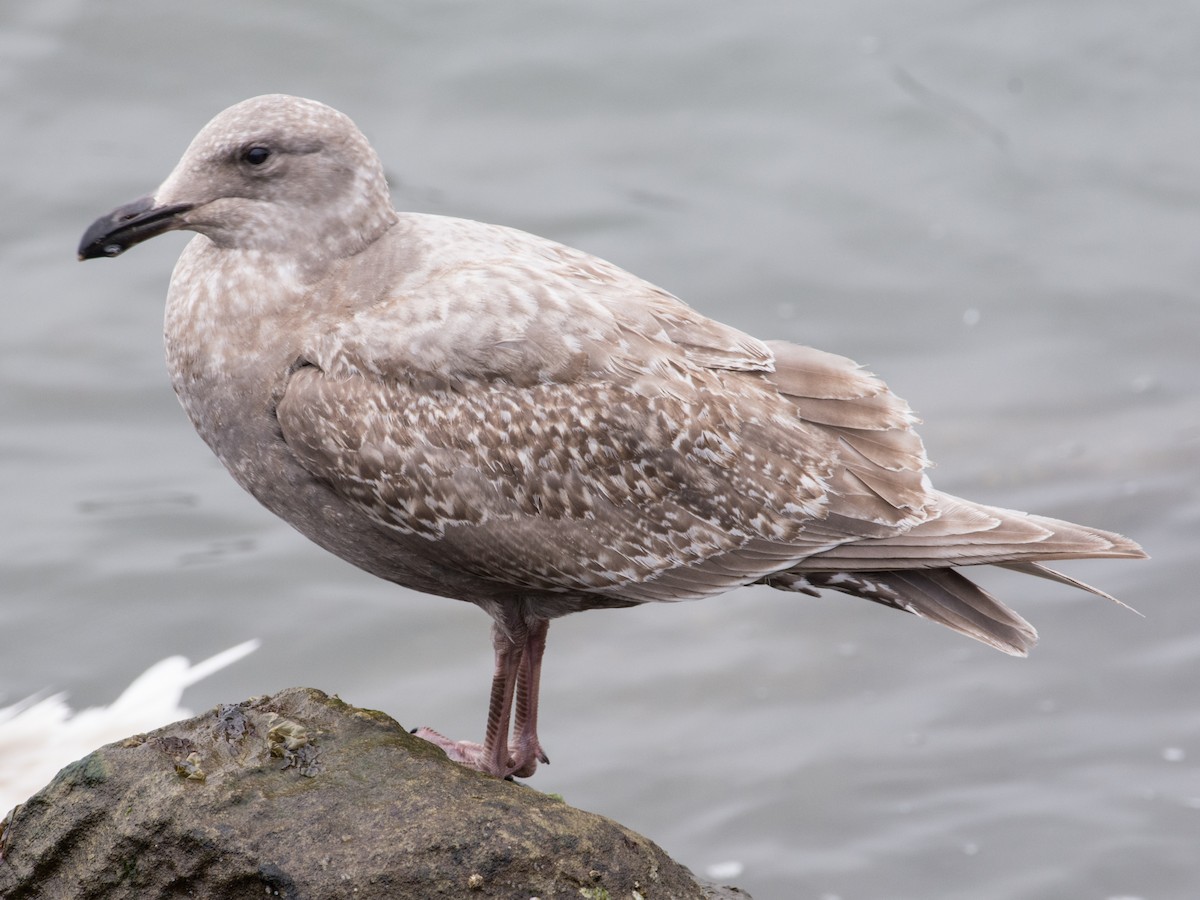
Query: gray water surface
[{"x": 994, "y": 205}]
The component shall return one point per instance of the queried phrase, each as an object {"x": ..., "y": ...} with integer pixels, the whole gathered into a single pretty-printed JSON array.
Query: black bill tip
[{"x": 125, "y": 226}]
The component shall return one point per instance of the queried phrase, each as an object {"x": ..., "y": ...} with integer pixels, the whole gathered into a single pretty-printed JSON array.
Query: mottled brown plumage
[{"x": 483, "y": 414}]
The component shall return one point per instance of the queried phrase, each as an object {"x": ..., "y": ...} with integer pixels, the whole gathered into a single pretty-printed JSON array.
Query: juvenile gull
[{"x": 482, "y": 414}]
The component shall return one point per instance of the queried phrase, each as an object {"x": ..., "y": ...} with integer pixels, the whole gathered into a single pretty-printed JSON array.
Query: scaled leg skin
[
  {"x": 518, "y": 669},
  {"x": 527, "y": 751}
]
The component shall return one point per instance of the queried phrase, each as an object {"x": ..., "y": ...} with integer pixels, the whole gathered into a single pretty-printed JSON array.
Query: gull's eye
[{"x": 256, "y": 155}]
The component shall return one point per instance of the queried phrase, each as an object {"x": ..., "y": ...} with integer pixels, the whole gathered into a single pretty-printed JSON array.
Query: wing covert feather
[{"x": 574, "y": 487}]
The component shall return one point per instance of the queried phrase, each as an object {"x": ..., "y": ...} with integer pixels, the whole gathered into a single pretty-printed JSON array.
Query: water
[{"x": 995, "y": 205}]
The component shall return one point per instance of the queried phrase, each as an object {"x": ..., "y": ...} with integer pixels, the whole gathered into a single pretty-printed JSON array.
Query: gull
[{"x": 482, "y": 414}]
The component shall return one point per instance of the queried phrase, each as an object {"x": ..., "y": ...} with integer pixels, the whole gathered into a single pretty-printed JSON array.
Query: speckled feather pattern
[{"x": 486, "y": 414}]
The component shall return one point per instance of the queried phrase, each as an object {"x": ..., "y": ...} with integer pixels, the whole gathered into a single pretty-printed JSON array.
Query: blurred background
[{"x": 994, "y": 205}]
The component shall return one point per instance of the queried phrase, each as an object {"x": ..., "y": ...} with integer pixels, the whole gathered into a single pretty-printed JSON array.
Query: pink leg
[
  {"x": 518, "y": 668},
  {"x": 527, "y": 750},
  {"x": 495, "y": 759}
]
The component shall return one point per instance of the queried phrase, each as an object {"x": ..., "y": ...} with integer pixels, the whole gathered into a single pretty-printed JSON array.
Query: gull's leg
[
  {"x": 492, "y": 756},
  {"x": 495, "y": 759},
  {"x": 527, "y": 751}
]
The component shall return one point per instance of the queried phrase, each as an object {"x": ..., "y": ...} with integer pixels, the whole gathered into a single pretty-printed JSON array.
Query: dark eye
[{"x": 256, "y": 156}]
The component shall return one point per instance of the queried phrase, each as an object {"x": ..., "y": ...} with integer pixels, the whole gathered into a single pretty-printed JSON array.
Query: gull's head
[{"x": 274, "y": 173}]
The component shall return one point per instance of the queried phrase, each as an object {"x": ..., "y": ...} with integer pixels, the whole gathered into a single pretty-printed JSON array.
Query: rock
[{"x": 300, "y": 795}]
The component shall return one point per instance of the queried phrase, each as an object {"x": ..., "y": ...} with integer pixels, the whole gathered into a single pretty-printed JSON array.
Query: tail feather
[
  {"x": 941, "y": 595},
  {"x": 1032, "y": 568}
]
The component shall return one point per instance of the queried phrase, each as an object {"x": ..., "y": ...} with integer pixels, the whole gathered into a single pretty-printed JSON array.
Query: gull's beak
[{"x": 113, "y": 234}]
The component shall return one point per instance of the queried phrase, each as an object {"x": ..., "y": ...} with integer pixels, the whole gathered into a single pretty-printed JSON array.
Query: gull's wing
[
  {"x": 547, "y": 420},
  {"x": 581, "y": 486}
]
